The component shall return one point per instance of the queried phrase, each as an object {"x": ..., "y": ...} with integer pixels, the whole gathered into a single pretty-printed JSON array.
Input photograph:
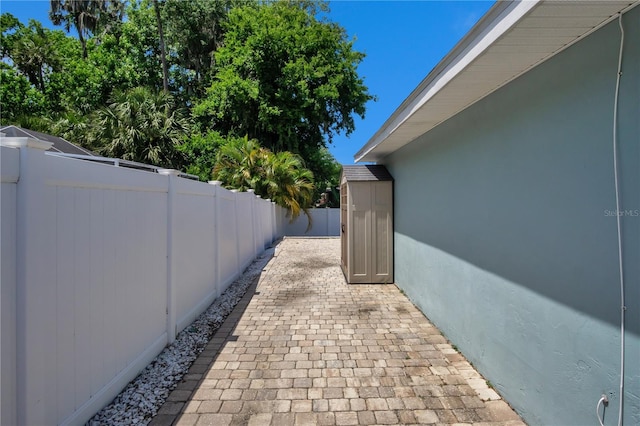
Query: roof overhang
[{"x": 512, "y": 38}]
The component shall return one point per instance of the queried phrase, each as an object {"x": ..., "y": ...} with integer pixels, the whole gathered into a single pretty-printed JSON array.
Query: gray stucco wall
[{"x": 505, "y": 234}]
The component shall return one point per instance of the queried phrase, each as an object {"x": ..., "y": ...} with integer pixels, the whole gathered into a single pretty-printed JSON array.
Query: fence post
[
  {"x": 253, "y": 220},
  {"x": 274, "y": 228},
  {"x": 236, "y": 194},
  {"x": 216, "y": 192},
  {"x": 32, "y": 272},
  {"x": 266, "y": 237},
  {"x": 258, "y": 225},
  {"x": 10, "y": 170},
  {"x": 8, "y": 356},
  {"x": 171, "y": 279},
  {"x": 269, "y": 208}
]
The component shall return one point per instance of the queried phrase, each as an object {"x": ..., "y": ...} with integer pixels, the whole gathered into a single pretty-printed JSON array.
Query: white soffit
[{"x": 509, "y": 40}]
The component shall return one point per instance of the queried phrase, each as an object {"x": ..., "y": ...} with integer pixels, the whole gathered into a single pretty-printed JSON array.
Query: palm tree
[
  {"x": 34, "y": 54},
  {"x": 87, "y": 16},
  {"x": 38, "y": 123},
  {"x": 240, "y": 164},
  {"x": 78, "y": 128},
  {"x": 289, "y": 183},
  {"x": 243, "y": 164},
  {"x": 143, "y": 126}
]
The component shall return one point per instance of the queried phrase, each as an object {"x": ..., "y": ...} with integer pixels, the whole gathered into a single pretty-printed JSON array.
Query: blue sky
[{"x": 403, "y": 41}]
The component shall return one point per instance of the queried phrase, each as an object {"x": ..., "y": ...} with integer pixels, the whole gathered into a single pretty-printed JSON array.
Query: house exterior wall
[{"x": 505, "y": 232}]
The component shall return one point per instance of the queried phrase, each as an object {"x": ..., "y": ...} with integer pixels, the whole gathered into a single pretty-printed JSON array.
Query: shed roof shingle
[{"x": 367, "y": 172}]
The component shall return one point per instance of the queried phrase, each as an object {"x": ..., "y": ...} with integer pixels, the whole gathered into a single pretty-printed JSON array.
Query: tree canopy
[
  {"x": 275, "y": 73},
  {"x": 86, "y": 16},
  {"x": 141, "y": 126},
  {"x": 285, "y": 78}
]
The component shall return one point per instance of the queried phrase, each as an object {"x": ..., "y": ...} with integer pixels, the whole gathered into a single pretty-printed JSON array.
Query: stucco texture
[{"x": 505, "y": 232}]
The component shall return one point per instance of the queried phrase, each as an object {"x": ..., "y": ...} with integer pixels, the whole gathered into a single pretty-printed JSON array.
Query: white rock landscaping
[{"x": 140, "y": 401}]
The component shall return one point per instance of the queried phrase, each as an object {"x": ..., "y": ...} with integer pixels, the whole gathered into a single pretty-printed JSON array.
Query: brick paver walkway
[{"x": 307, "y": 348}]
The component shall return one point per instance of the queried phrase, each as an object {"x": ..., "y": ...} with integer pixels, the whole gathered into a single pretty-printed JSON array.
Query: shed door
[
  {"x": 381, "y": 232},
  {"x": 371, "y": 230},
  {"x": 360, "y": 232}
]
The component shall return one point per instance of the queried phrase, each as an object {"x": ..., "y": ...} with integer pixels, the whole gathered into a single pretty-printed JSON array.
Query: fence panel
[
  {"x": 101, "y": 267},
  {"x": 245, "y": 228},
  {"x": 266, "y": 222},
  {"x": 325, "y": 223},
  {"x": 281, "y": 221},
  {"x": 109, "y": 251},
  {"x": 194, "y": 249},
  {"x": 227, "y": 237}
]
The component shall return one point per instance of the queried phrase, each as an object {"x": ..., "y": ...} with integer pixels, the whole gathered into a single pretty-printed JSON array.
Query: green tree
[
  {"x": 194, "y": 31},
  {"x": 163, "y": 52},
  {"x": 326, "y": 171},
  {"x": 136, "y": 49},
  {"x": 38, "y": 123},
  {"x": 140, "y": 125},
  {"x": 17, "y": 97},
  {"x": 86, "y": 16},
  {"x": 243, "y": 164},
  {"x": 284, "y": 77},
  {"x": 53, "y": 63},
  {"x": 81, "y": 129},
  {"x": 199, "y": 151},
  {"x": 10, "y": 26},
  {"x": 32, "y": 50},
  {"x": 76, "y": 84}
]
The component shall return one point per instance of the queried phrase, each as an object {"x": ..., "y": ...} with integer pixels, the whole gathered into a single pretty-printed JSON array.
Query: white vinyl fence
[
  {"x": 101, "y": 267},
  {"x": 325, "y": 223}
]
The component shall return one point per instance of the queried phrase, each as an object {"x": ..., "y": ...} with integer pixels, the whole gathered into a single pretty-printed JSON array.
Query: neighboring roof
[
  {"x": 366, "y": 172},
  {"x": 63, "y": 148},
  {"x": 511, "y": 38},
  {"x": 59, "y": 144}
]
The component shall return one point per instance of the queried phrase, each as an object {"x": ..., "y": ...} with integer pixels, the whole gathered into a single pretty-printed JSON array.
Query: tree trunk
[
  {"x": 77, "y": 20},
  {"x": 163, "y": 58},
  {"x": 41, "y": 78},
  {"x": 83, "y": 42}
]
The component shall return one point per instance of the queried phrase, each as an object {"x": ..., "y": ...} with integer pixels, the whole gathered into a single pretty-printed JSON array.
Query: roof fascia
[{"x": 495, "y": 23}]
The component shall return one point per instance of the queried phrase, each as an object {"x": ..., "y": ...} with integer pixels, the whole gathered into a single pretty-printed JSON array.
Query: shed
[{"x": 366, "y": 220}]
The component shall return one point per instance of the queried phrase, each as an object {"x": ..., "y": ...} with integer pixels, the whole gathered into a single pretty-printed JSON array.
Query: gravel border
[{"x": 141, "y": 399}]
